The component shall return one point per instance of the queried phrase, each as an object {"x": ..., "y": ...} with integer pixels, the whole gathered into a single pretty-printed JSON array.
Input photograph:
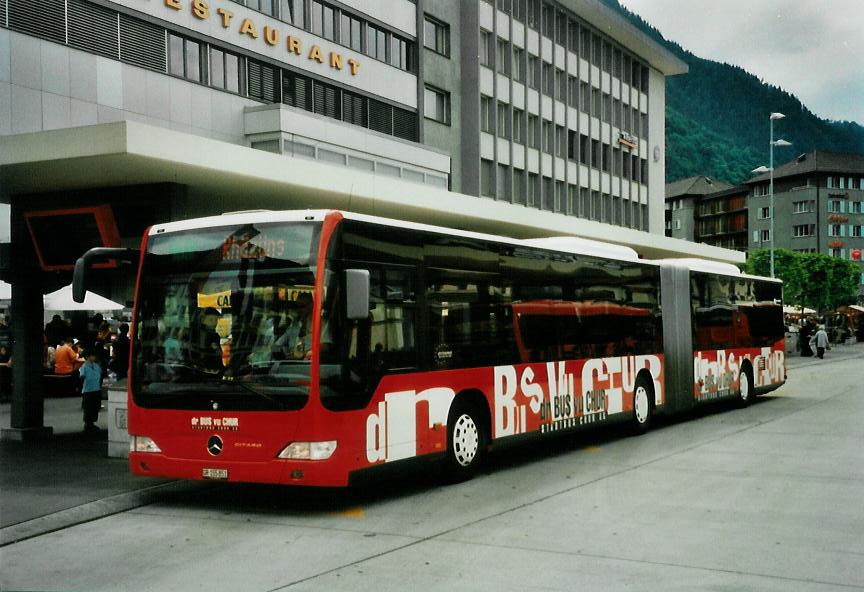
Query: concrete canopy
[{"x": 130, "y": 153}]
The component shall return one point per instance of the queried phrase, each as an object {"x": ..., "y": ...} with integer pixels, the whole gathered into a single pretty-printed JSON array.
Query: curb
[{"x": 91, "y": 511}]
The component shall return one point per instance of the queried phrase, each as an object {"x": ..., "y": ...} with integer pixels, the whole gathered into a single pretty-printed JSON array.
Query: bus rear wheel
[
  {"x": 643, "y": 405},
  {"x": 466, "y": 442},
  {"x": 745, "y": 386}
]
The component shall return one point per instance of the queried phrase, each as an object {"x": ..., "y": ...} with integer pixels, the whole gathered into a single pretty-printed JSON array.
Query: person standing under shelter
[
  {"x": 821, "y": 339},
  {"x": 66, "y": 359},
  {"x": 91, "y": 391}
]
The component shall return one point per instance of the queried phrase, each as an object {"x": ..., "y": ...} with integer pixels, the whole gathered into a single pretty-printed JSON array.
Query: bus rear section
[{"x": 729, "y": 340}]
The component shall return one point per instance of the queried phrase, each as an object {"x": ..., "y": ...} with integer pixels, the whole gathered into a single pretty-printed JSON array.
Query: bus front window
[{"x": 224, "y": 318}]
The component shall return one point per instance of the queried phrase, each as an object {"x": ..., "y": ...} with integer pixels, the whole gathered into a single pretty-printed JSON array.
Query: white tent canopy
[
  {"x": 62, "y": 300},
  {"x": 789, "y": 309}
]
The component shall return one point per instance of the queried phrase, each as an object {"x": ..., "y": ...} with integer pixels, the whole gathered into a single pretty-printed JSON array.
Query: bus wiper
[{"x": 255, "y": 391}]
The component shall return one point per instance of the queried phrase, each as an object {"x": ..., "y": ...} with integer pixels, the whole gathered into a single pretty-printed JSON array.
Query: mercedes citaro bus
[{"x": 304, "y": 347}]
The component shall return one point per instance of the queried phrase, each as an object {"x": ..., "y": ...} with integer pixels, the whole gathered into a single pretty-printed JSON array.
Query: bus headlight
[
  {"x": 142, "y": 444},
  {"x": 309, "y": 450}
]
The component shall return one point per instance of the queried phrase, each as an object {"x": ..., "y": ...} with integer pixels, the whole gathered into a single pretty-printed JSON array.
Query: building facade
[
  {"x": 521, "y": 117},
  {"x": 682, "y": 203},
  {"x": 552, "y": 106},
  {"x": 721, "y": 218},
  {"x": 818, "y": 207}
]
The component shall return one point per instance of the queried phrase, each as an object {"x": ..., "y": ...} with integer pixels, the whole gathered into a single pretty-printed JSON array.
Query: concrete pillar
[{"x": 27, "y": 420}]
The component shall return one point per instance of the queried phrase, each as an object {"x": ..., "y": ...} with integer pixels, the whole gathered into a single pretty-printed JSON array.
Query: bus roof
[{"x": 565, "y": 244}]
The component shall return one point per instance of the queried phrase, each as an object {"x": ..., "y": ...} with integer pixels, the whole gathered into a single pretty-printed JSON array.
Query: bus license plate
[{"x": 214, "y": 473}]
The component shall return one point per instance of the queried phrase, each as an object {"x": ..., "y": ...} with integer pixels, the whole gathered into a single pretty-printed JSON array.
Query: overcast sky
[{"x": 813, "y": 49}]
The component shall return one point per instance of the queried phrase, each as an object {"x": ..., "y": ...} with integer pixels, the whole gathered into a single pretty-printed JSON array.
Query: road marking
[{"x": 356, "y": 512}]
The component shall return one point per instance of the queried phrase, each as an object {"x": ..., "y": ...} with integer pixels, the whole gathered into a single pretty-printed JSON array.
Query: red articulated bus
[{"x": 305, "y": 347}]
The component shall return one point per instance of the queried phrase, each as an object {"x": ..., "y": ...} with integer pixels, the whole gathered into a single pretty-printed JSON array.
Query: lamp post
[{"x": 770, "y": 169}]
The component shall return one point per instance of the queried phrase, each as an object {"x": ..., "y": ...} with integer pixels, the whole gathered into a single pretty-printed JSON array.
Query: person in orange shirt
[{"x": 66, "y": 359}]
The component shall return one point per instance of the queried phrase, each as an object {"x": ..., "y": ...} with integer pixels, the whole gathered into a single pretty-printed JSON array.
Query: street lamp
[{"x": 770, "y": 169}]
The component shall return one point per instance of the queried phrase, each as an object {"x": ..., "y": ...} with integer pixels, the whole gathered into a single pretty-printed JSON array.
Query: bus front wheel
[{"x": 466, "y": 441}]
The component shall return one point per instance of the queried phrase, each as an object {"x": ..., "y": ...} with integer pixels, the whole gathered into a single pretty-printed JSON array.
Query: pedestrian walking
[
  {"x": 91, "y": 391},
  {"x": 821, "y": 339}
]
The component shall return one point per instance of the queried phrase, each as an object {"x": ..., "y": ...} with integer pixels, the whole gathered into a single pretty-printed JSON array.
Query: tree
[{"x": 809, "y": 279}]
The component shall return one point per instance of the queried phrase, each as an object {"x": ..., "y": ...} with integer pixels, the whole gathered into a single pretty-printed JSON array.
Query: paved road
[{"x": 765, "y": 498}]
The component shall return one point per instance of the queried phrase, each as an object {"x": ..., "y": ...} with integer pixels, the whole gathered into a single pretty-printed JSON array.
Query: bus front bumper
[{"x": 288, "y": 472}]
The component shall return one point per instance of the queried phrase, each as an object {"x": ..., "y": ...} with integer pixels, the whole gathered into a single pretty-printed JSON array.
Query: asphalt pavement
[{"x": 766, "y": 498}]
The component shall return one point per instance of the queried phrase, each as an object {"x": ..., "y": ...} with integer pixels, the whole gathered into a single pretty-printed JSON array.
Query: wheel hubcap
[
  {"x": 641, "y": 404},
  {"x": 745, "y": 386},
  {"x": 466, "y": 440}
]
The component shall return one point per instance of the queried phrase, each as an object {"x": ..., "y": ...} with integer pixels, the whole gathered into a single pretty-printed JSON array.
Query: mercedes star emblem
[{"x": 214, "y": 445}]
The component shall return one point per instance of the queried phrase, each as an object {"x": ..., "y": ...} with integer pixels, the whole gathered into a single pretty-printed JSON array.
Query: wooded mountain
[{"x": 717, "y": 118}]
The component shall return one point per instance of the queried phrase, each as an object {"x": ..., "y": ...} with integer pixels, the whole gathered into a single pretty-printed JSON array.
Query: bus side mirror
[
  {"x": 357, "y": 294},
  {"x": 79, "y": 280},
  {"x": 96, "y": 254}
]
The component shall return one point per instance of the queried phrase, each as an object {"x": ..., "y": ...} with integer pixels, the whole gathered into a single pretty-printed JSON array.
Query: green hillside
[{"x": 717, "y": 118}]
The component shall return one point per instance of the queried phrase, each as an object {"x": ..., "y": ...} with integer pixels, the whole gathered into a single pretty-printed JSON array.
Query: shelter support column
[{"x": 27, "y": 421}]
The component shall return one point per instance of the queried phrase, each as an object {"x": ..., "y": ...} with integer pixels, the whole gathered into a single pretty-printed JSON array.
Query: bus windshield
[{"x": 224, "y": 318}]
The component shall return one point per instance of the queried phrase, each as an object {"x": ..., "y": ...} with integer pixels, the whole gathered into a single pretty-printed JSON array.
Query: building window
[
  {"x": 764, "y": 213},
  {"x": 518, "y": 64},
  {"x": 503, "y": 120},
  {"x": 855, "y": 207},
  {"x": 291, "y": 11},
  {"x": 596, "y": 102},
  {"x": 836, "y": 253},
  {"x": 503, "y": 57},
  {"x": 519, "y": 10},
  {"x": 677, "y": 224},
  {"x": 573, "y": 36},
  {"x": 503, "y": 182},
  {"x": 399, "y": 53},
  {"x": 766, "y": 236},
  {"x": 533, "y": 190},
  {"x": 643, "y": 162},
  {"x": 323, "y": 20},
  {"x": 583, "y": 149},
  {"x": 436, "y": 105},
  {"x": 548, "y": 139},
  {"x": 436, "y": 36},
  {"x": 560, "y": 141},
  {"x": 835, "y": 230},
  {"x": 835, "y": 205},
  {"x": 226, "y": 70},
  {"x": 184, "y": 58},
  {"x": 485, "y": 48},
  {"x": 533, "y": 131},
  {"x": 518, "y": 126},
  {"x": 548, "y": 21},
  {"x": 486, "y": 121},
  {"x": 487, "y": 174},
  {"x": 573, "y": 92},
  {"x": 533, "y": 71},
  {"x": 265, "y": 6},
  {"x": 519, "y": 186},
  {"x": 855, "y": 231},
  {"x": 803, "y": 230},
  {"x": 607, "y": 157},
  {"x": 376, "y": 43},
  {"x": 548, "y": 81},
  {"x": 585, "y": 95},
  {"x": 561, "y": 85},
  {"x": 350, "y": 32},
  {"x": 595, "y": 154},
  {"x": 802, "y": 207},
  {"x": 534, "y": 14}
]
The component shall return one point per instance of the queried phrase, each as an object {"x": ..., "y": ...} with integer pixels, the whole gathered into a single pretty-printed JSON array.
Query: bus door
[{"x": 677, "y": 336}]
